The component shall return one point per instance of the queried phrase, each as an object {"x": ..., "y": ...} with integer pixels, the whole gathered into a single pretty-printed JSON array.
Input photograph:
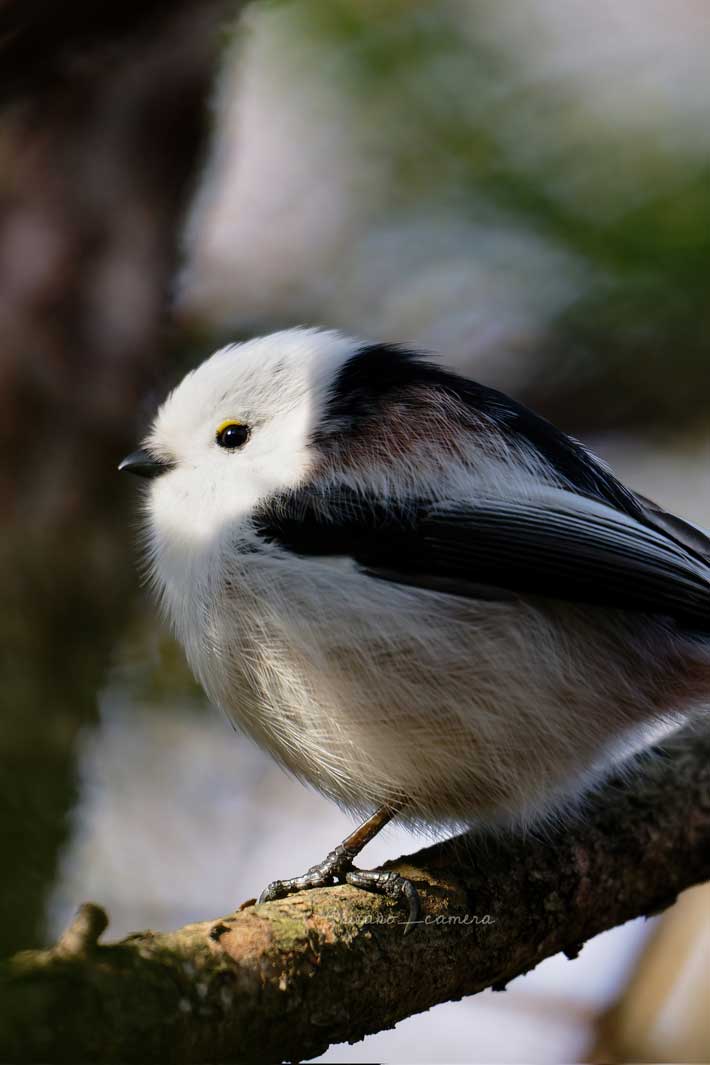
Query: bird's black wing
[{"x": 558, "y": 545}]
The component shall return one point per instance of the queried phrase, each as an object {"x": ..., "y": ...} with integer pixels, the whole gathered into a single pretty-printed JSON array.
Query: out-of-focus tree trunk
[
  {"x": 103, "y": 119},
  {"x": 100, "y": 136}
]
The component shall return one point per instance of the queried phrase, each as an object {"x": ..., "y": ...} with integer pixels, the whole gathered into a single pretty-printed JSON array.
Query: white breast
[{"x": 470, "y": 710}]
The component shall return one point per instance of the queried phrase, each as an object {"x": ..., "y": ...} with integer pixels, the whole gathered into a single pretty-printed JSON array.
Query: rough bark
[{"x": 287, "y": 979}]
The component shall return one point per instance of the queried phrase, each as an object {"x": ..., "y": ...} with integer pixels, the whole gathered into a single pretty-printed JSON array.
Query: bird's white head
[{"x": 236, "y": 431}]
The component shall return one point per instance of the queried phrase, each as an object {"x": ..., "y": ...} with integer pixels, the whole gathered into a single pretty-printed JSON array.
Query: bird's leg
[{"x": 337, "y": 867}]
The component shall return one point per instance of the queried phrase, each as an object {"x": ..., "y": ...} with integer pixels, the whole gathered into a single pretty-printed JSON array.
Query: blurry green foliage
[{"x": 461, "y": 119}]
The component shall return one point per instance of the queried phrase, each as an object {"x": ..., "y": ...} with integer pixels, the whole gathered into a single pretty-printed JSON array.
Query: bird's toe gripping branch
[
  {"x": 332, "y": 870},
  {"x": 386, "y": 882},
  {"x": 337, "y": 868}
]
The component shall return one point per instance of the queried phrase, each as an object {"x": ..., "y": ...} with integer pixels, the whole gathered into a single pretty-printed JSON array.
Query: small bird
[{"x": 419, "y": 596}]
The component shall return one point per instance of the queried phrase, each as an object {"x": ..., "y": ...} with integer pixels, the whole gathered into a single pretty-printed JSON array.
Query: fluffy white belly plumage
[{"x": 471, "y": 711}]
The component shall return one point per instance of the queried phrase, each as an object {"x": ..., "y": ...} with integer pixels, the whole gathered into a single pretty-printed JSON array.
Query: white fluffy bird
[{"x": 419, "y": 596}]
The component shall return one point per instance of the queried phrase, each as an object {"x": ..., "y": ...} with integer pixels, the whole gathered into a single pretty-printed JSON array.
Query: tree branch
[{"x": 287, "y": 979}]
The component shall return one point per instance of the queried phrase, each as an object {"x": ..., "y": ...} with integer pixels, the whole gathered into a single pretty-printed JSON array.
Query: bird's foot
[
  {"x": 332, "y": 870},
  {"x": 337, "y": 868}
]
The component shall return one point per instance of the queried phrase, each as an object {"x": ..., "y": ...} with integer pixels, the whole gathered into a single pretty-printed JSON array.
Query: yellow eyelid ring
[
  {"x": 226, "y": 424},
  {"x": 232, "y": 434}
]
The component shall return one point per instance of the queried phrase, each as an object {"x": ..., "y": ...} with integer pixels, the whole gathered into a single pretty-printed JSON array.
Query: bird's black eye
[{"x": 231, "y": 435}]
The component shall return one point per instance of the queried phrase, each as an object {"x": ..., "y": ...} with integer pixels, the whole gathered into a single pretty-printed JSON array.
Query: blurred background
[{"x": 524, "y": 188}]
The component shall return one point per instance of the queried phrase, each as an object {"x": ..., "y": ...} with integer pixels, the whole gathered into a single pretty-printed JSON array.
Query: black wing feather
[
  {"x": 560, "y": 545},
  {"x": 545, "y": 547}
]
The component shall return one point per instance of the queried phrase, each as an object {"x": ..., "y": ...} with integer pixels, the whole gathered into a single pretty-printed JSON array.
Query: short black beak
[{"x": 143, "y": 464}]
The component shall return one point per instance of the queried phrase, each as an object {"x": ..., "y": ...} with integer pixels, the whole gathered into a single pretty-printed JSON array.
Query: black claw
[
  {"x": 272, "y": 891},
  {"x": 412, "y": 896}
]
